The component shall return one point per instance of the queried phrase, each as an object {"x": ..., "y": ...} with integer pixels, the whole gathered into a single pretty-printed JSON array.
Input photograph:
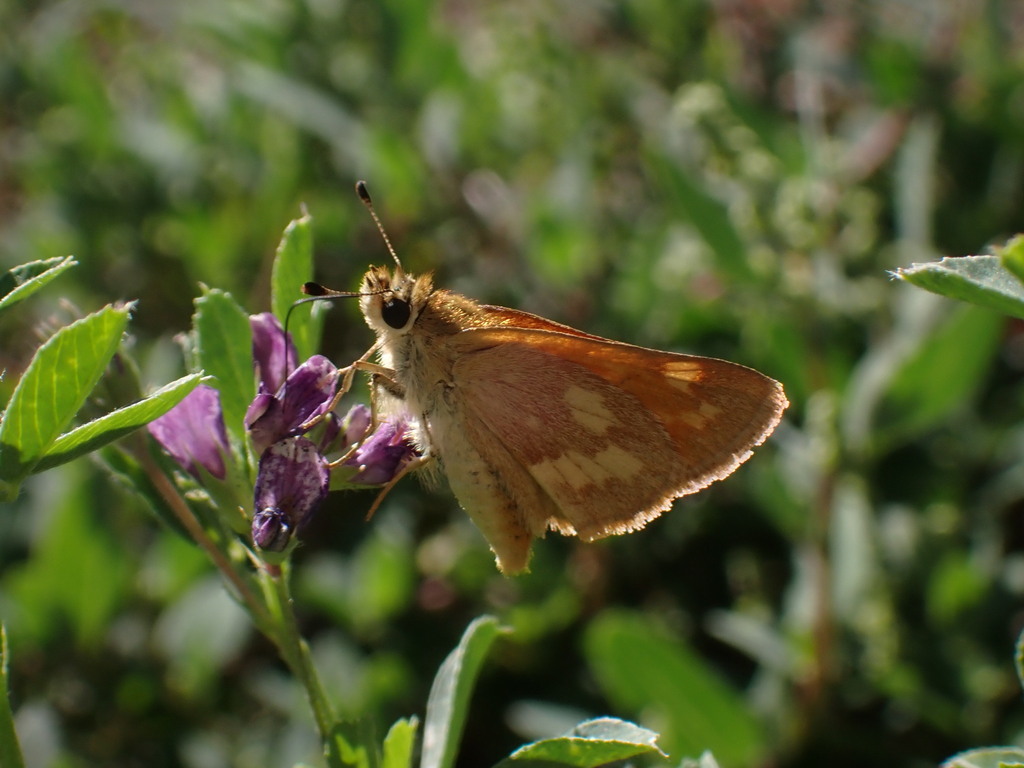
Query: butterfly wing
[
  {"x": 610, "y": 433},
  {"x": 502, "y": 317},
  {"x": 748, "y": 398},
  {"x": 492, "y": 485}
]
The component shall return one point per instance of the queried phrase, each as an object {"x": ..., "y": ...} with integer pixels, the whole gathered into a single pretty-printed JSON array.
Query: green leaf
[
  {"x": 399, "y": 743},
  {"x": 22, "y": 281},
  {"x": 449, "y": 695},
  {"x": 981, "y": 280},
  {"x": 641, "y": 667},
  {"x": 351, "y": 744},
  {"x": 61, "y": 375},
  {"x": 987, "y": 757},
  {"x": 1012, "y": 256},
  {"x": 1018, "y": 658},
  {"x": 590, "y": 744},
  {"x": 115, "y": 425},
  {"x": 10, "y": 751},
  {"x": 224, "y": 347},
  {"x": 293, "y": 266}
]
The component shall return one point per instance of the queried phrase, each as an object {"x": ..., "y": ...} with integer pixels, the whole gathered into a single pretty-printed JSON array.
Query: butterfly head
[{"x": 391, "y": 301}]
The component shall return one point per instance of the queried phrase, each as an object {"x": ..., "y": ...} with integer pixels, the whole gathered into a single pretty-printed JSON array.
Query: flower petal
[
  {"x": 383, "y": 454},
  {"x": 305, "y": 395},
  {"x": 273, "y": 353},
  {"x": 193, "y": 432},
  {"x": 355, "y": 424}
]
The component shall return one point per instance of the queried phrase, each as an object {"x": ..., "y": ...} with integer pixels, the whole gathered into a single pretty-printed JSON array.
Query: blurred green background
[{"x": 733, "y": 178}]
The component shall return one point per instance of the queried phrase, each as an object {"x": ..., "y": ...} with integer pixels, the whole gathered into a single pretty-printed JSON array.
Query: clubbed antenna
[
  {"x": 364, "y": 195},
  {"x": 316, "y": 290}
]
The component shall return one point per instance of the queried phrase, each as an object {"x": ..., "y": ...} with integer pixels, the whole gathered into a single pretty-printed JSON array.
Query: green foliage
[
  {"x": 77, "y": 578},
  {"x": 18, "y": 283},
  {"x": 981, "y": 280},
  {"x": 588, "y": 745},
  {"x": 374, "y": 588},
  {"x": 713, "y": 178},
  {"x": 61, "y": 375},
  {"x": 943, "y": 373},
  {"x": 398, "y": 744},
  {"x": 116, "y": 424},
  {"x": 448, "y": 704},
  {"x": 996, "y": 282},
  {"x": 10, "y": 752},
  {"x": 998, "y": 757},
  {"x": 293, "y": 266},
  {"x": 223, "y": 342},
  {"x": 55, "y": 385}
]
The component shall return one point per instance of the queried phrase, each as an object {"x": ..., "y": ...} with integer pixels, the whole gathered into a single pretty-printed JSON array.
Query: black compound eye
[{"x": 395, "y": 312}]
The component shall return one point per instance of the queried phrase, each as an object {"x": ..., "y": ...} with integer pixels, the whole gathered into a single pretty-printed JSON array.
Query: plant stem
[
  {"x": 10, "y": 752},
  {"x": 295, "y": 651},
  {"x": 272, "y": 612},
  {"x": 181, "y": 510}
]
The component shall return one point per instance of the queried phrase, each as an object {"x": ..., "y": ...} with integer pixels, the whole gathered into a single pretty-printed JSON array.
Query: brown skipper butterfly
[{"x": 539, "y": 426}]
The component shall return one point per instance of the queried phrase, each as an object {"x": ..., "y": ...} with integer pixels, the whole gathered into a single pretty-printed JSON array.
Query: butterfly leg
[
  {"x": 381, "y": 381},
  {"x": 412, "y": 466},
  {"x": 383, "y": 385},
  {"x": 347, "y": 374},
  {"x": 379, "y": 375}
]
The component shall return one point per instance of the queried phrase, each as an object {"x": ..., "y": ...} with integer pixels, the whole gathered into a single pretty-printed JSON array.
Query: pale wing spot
[
  {"x": 680, "y": 385},
  {"x": 710, "y": 410},
  {"x": 546, "y": 473},
  {"x": 620, "y": 463},
  {"x": 698, "y": 419},
  {"x": 589, "y": 410},
  {"x": 684, "y": 370},
  {"x": 561, "y": 472},
  {"x": 580, "y": 471},
  {"x": 692, "y": 418}
]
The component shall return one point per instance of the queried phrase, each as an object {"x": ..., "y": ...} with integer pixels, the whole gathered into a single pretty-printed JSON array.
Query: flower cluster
[{"x": 292, "y": 429}]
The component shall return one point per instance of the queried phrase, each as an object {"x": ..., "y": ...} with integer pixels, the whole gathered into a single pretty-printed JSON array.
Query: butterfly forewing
[{"x": 713, "y": 409}]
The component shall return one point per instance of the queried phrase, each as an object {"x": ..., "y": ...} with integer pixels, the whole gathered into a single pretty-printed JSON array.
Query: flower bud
[{"x": 291, "y": 483}]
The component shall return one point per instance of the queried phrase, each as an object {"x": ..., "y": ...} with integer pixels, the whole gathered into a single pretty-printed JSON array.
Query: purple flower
[
  {"x": 355, "y": 425},
  {"x": 291, "y": 483},
  {"x": 306, "y": 394},
  {"x": 273, "y": 353},
  {"x": 193, "y": 433},
  {"x": 293, "y": 476},
  {"x": 383, "y": 454}
]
